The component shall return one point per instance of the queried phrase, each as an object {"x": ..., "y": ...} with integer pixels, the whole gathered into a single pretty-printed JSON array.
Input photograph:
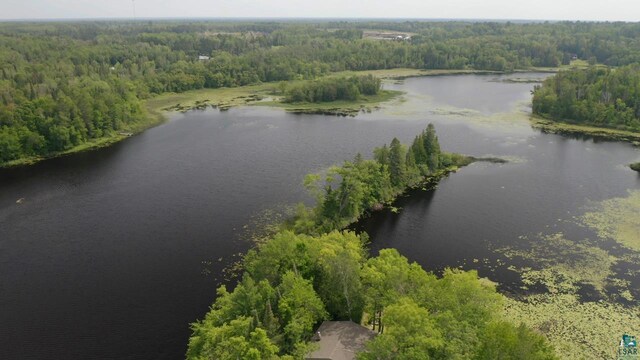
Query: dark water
[{"x": 114, "y": 252}]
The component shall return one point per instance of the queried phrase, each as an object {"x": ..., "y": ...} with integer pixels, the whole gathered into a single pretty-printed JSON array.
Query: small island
[
  {"x": 334, "y": 95},
  {"x": 635, "y": 167}
]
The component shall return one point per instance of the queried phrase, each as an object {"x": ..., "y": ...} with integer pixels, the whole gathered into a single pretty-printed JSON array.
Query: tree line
[
  {"x": 595, "y": 96},
  {"x": 65, "y": 83},
  {"x": 310, "y": 271}
]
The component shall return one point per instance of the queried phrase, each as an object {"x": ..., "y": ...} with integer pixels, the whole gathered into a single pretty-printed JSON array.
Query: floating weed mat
[
  {"x": 578, "y": 330},
  {"x": 617, "y": 219},
  {"x": 581, "y": 295},
  {"x": 559, "y": 264}
]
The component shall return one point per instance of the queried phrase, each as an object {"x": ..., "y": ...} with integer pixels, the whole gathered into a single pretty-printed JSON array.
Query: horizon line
[{"x": 267, "y": 18}]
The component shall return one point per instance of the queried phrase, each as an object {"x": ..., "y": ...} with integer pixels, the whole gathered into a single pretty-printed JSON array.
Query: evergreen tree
[
  {"x": 432, "y": 148},
  {"x": 271, "y": 324},
  {"x": 412, "y": 172},
  {"x": 397, "y": 164},
  {"x": 419, "y": 150},
  {"x": 382, "y": 155},
  {"x": 358, "y": 159}
]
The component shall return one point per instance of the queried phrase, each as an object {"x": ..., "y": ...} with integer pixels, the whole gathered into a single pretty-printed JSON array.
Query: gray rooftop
[{"x": 340, "y": 340}]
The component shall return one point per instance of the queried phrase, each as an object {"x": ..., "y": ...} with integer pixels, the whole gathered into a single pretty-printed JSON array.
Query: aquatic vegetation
[
  {"x": 617, "y": 219},
  {"x": 501, "y": 159},
  {"x": 580, "y": 310},
  {"x": 577, "y": 330},
  {"x": 562, "y": 265}
]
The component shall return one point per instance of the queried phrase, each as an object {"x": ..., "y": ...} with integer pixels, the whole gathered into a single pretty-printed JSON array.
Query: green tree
[
  {"x": 382, "y": 155},
  {"x": 413, "y": 172},
  {"x": 9, "y": 145},
  {"x": 419, "y": 150},
  {"x": 340, "y": 257},
  {"x": 390, "y": 276},
  {"x": 504, "y": 341},
  {"x": 397, "y": 166},
  {"x": 238, "y": 339},
  {"x": 432, "y": 148},
  {"x": 409, "y": 333},
  {"x": 463, "y": 305},
  {"x": 284, "y": 252},
  {"x": 299, "y": 308}
]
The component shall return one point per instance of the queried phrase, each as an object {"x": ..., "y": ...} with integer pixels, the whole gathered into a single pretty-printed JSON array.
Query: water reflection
[{"x": 107, "y": 250}]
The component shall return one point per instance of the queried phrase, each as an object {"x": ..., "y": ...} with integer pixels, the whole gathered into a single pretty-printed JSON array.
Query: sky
[{"x": 609, "y": 10}]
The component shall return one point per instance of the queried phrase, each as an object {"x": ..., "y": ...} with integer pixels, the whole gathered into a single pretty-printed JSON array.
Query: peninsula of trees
[
  {"x": 344, "y": 193},
  {"x": 310, "y": 271},
  {"x": 596, "y": 96},
  {"x": 65, "y": 85}
]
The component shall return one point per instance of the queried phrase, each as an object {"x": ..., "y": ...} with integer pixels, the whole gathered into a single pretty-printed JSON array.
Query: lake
[{"x": 112, "y": 253}]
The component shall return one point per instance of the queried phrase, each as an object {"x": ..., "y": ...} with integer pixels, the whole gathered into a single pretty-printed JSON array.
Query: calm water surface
[{"x": 114, "y": 252}]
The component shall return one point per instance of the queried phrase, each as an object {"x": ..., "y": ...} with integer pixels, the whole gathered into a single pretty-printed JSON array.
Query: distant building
[
  {"x": 340, "y": 340},
  {"x": 203, "y": 57}
]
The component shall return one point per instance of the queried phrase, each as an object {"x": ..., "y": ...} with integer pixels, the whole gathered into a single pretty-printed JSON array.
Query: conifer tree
[
  {"x": 396, "y": 163},
  {"x": 382, "y": 155},
  {"x": 432, "y": 148}
]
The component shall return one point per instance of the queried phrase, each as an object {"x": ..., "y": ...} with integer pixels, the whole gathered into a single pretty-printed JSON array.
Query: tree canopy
[
  {"x": 595, "y": 96},
  {"x": 333, "y": 89},
  {"x": 63, "y": 84},
  {"x": 310, "y": 270}
]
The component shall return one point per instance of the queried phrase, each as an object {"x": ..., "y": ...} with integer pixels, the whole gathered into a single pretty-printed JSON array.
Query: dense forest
[
  {"x": 63, "y": 84},
  {"x": 594, "y": 96},
  {"x": 332, "y": 89},
  {"x": 309, "y": 271}
]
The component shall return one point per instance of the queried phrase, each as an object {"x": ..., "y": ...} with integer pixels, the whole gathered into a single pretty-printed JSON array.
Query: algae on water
[
  {"x": 579, "y": 326},
  {"x": 561, "y": 265},
  {"x": 578, "y": 330},
  {"x": 617, "y": 219}
]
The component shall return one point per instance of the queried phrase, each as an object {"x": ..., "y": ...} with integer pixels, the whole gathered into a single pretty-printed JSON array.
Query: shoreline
[
  {"x": 267, "y": 94},
  {"x": 153, "y": 119},
  {"x": 564, "y": 128},
  {"x": 264, "y": 94}
]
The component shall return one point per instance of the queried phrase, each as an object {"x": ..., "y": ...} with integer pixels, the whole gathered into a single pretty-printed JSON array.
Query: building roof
[{"x": 340, "y": 340}]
